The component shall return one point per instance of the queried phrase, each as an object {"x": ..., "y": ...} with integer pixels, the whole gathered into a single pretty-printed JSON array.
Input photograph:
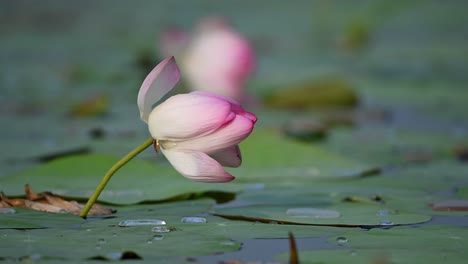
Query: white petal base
[{"x": 197, "y": 166}]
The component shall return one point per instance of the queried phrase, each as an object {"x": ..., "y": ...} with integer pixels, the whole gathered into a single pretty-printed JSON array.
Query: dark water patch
[
  {"x": 264, "y": 249},
  {"x": 460, "y": 221}
]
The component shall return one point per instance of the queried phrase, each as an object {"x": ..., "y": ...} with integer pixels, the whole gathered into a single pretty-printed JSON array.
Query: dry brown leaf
[
  {"x": 44, "y": 207},
  {"x": 49, "y": 202},
  {"x": 12, "y": 202},
  {"x": 30, "y": 194}
]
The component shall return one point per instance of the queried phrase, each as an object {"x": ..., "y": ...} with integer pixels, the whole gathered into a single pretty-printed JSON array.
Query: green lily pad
[
  {"x": 463, "y": 191},
  {"x": 340, "y": 215},
  {"x": 137, "y": 181},
  {"x": 431, "y": 237},
  {"x": 396, "y": 256},
  {"x": 104, "y": 237},
  {"x": 172, "y": 213},
  {"x": 431, "y": 244},
  {"x": 110, "y": 240},
  {"x": 346, "y": 193},
  {"x": 389, "y": 146},
  {"x": 28, "y": 219},
  {"x": 269, "y": 157}
]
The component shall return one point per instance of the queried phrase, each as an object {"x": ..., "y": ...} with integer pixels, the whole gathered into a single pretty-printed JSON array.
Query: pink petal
[
  {"x": 157, "y": 84},
  {"x": 230, "y": 157},
  {"x": 235, "y": 106},
  {"x": 210, "y": 94},
  {"x": 172, "y": 41},
  {"x": 226, "y": 136},
  {"x": 219, "y": 60},
  {"x": 186, "y": 116},
  {"x": 197, "y": 166}
]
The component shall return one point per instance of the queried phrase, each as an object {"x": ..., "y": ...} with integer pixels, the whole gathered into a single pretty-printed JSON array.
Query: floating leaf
[
  {"x": 92, "y": 106},
  {"x": 287, "y": 159},
  {"x": 136, "y": 182},
  {"x": 383, "y": 255},
  {"x": 102, "y": 236},
  {"x": 396, "y": 245},
  {"x": 325, "y": 92},
  {"x": 341, "y": 215},
  {"x": 106, "y": 240},
  {"x": 28, "y": 219}
]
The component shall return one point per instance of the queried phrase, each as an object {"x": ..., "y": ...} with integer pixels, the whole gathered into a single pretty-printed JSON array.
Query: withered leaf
[{"x": 50, "y": 203}]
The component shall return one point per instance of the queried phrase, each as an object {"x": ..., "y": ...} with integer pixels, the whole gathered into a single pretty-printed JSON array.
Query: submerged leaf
[
  {"x": 325, "y": 92},
  {"x": 92, "y": 106}
]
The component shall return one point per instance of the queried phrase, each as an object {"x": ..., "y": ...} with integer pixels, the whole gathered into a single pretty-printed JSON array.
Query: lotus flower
[
  {"x": 173, "y": 41},
  {"x": 215, "y": 59},
  {"x": 198, "y": 132}
]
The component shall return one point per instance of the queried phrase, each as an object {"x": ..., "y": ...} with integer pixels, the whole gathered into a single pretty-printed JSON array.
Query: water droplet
[
  {"x": 161, "y": 229},
  {"x": 386, "y": 222},
  {"x": 7, "y": 211},
  {"x": 158, "y": 237},
  {"x": 101, "y": 241},
  {"x": 155, "y": 238},
  {"x": 385, "y": 212},
  {"x": 228, "y": 243},
  {"x": 353, "y": 253},
  {"x": 98, "y": 247},
  {"x": 141, "y": 222},
  {"x": 193, "y": 219},
  {"x": 312, "y": 212},
  {"x": 341, "y": 240}
]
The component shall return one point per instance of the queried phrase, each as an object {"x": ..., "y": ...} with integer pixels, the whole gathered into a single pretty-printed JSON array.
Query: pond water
[{"x": 393, "y": 163}]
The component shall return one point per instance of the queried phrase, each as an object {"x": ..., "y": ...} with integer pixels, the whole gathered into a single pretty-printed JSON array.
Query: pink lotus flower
[
  {"x": 216, "y": 59},
  {"x": 198, "y": 132},
  {"x": 173, "y": 41}
]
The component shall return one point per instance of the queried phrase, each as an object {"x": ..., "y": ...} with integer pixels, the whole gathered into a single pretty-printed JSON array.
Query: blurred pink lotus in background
[
  {"x": 198, "y": 132},
  {"x": 216, "y": 58}
]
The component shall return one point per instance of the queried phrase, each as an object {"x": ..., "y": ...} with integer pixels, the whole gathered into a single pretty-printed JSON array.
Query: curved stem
[{"x": 111, "y": 172}]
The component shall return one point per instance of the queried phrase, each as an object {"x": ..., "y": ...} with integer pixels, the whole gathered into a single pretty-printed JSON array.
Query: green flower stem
[{"x": 111, "y": 172}]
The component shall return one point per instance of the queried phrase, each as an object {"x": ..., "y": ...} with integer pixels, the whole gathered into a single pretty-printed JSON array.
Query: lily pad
[
  {"x": 172, "y": 214},
  {"x": 28, "y": 219},
  {"x": 396, "y": 256},
  {"x": 287, "y": 159},
  {"x": 111, "y": 240},
  {"x": 340, "y": 215},
  {"x": 432, "y": 237},
  {"x": 137, "y": 181},
  {"x": 103, "y": 237},
  {"x": 396, "y": 245}
]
